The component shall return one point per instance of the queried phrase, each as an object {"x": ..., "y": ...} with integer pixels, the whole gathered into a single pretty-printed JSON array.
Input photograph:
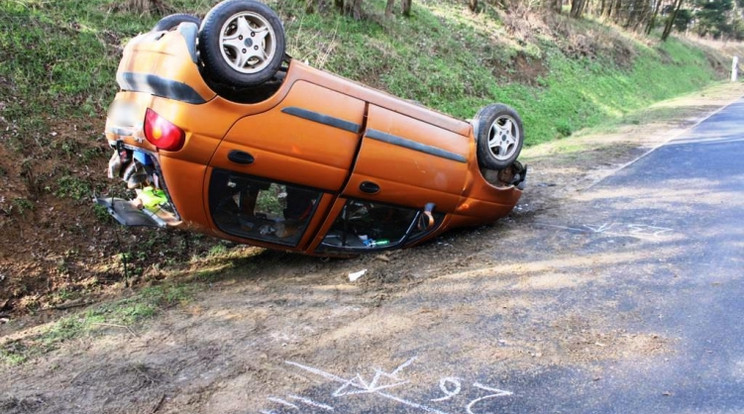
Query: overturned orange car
[{"x": 216, "y": 129}]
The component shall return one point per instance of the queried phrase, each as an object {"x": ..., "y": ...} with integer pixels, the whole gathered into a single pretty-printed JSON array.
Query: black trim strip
[
  {"x": 416, "y": 146},
  {"x": 322, "y": 119},
  {"x": 156, "y": 85}
]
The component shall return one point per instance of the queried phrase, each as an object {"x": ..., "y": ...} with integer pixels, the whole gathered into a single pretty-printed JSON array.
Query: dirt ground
[{"x": 229, "y": 348}]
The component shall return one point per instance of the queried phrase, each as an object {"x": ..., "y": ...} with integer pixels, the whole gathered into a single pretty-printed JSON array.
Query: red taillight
[{"x": 162, "y": 133}]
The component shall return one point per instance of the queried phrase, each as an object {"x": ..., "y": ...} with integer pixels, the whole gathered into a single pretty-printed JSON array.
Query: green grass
[
  {"x": 22, "y": 205},
  {"x": 72, "y": 187},
  {"x": 124, "y": 315},
  {"x": 446, "y": 61},
  {"x": 579, "y": 94}
]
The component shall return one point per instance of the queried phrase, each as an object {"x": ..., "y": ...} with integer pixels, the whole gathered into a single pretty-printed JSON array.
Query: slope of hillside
[{"x": 55, "y": 247}]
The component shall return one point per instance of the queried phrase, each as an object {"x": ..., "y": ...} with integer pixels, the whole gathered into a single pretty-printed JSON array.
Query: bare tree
[
  {"x": 643, "y": 16},
  {"x": 577, "y": 7},
  {"x": 389, "y": 8},
  {"x": 607, "y": 6},
  {"x": 670, "y": 21},
  {"x": 555, "y": 5},
  {"x": 356, "y": 9},
  {"x": 652, "y": 20},
  {"x": 407, "y": 8},
  {"x": 616, "y": 12}
]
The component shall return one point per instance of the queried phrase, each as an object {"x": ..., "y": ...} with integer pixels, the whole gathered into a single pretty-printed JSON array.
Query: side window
[
  {"x": 256, "y": 208},
  {"x": 365, "y": 225}
]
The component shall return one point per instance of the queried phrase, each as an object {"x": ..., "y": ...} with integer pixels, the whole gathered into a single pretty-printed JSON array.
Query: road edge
[{"x": 663, "y": 143}]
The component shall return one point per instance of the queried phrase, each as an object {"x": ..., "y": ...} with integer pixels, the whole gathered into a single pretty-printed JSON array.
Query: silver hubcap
[
  {"x": 248, "y": 42},
  {"x": 503, "y": 137}
]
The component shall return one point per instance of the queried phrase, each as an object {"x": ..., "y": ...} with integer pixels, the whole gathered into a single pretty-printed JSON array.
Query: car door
[
  {"x": 407, "y": 175},
  {"x": 275, "y": 170},
  {"x": 410, "y": 162}
]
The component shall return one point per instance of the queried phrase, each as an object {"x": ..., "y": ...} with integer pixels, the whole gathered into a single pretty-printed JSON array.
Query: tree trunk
[
  {"x": 589, "y": 7},
  {"x": 607, "y": 9},
  {"x": 652, "y": 21},
  {"x": 473, "y": 4},
  {"x": 407, "y": 8},
  {"x": 356, "y": 9},
  {"x": 339, "y": 4},
  {"x": 389, "y": 8},
  {"x": 643, "y": 17},
  {"x": 616, "y": 12},
  {"x": 630, "y": 14},
  {"x": 670, "y": 22},
  {"x": 577, "y": 7}
]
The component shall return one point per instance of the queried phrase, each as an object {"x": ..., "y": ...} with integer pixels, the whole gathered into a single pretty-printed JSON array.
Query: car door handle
[
  {"x": 240, "y": 157},
  {"x": 369, "y": 187}
]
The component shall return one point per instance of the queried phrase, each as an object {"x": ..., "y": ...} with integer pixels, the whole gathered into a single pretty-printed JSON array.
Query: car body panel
[
  {"x": 187, "y": 179},
  {"x": 161, "y": 55},
  {"x": 410, "y": 160}
]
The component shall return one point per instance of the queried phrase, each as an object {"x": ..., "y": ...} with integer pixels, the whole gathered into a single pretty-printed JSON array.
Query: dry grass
[
  {"x": 719, "y": 52},
  {"x": 144, "y": 7}
]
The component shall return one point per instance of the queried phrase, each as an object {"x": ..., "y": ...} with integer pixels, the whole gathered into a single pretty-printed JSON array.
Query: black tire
[
  {"x": 500, "y": 136},
  {"x": 172, "y": 21},
  {"x": 228, "y": 51}
]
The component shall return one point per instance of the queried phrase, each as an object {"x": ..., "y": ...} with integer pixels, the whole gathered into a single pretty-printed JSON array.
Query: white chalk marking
[
  {"x": 311, "y": 402},
  {"x": 498, "y": 393},
  {"x": 403, "y": 365},
  {"x": 374, "y": 385},
  {"x": 641, "y": 228},
  {"x": 555, "y": 226},
  {"x": 283, "y": 402},
  {"x": 356, "y": 382},
  {"x": 326, "y": 375},
  {"x": 639, "y": 231},
  {"x": 365, "y": 388},
  {"x": 361, "y": 384},
  {"x": 600, "y": 229},
  {"x": 447, "y": 393}
]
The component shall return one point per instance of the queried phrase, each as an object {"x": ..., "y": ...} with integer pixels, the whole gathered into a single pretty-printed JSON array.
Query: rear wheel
[
  {"x": 241, "y": 43},
  {"x": 500, "y": 136},
  {"x": 172, "y": 21}
]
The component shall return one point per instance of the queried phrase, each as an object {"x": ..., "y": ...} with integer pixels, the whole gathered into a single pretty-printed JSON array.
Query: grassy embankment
[
  {"x": 64, "y": 55},
  {"x": 57, "y": 78}
]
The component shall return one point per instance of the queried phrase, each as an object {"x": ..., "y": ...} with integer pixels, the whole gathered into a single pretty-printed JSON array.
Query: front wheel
[
  {"x": 500, "y": 136},
  {"x": 241, "y": 43}
]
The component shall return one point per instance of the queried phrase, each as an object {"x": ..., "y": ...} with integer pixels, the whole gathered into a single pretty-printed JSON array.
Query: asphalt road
[
  {"x": 626, "y": 299},
  {"x": 678, "y": 215}
]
